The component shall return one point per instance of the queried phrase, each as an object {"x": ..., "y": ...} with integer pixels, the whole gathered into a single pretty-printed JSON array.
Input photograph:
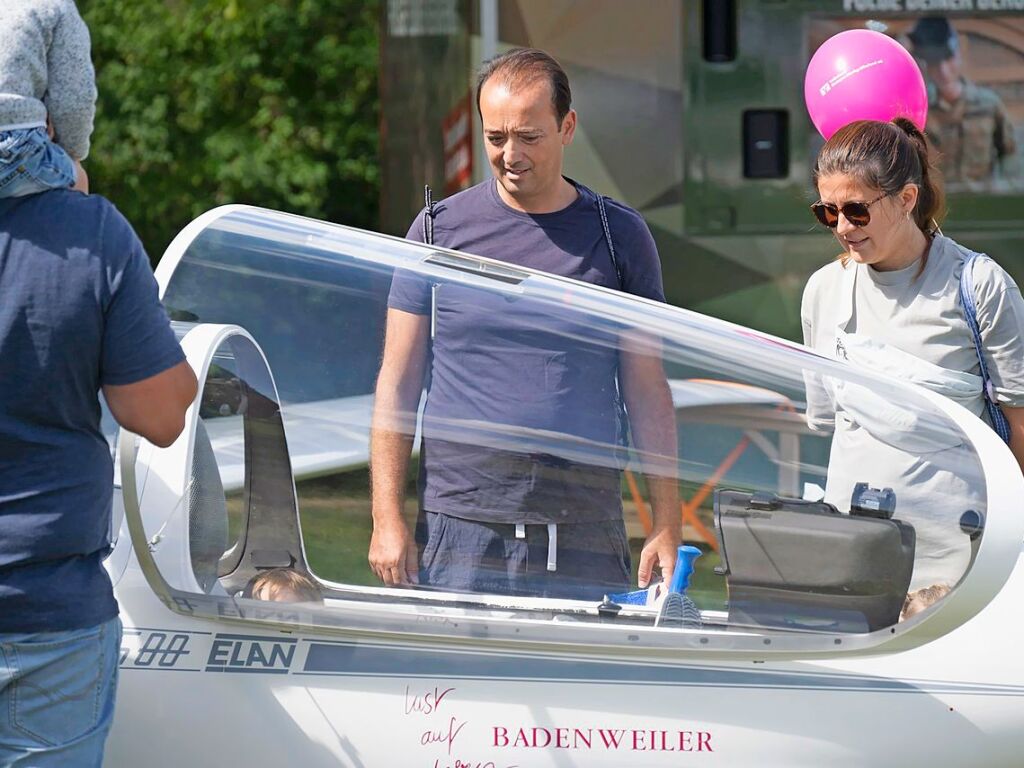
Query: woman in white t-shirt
[{"x": 890, "y": 302}]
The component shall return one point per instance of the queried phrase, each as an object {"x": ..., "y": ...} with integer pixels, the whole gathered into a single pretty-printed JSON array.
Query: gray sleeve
[
  {"x": 71, "y": 90},
  {"x": 821, "y": 411},
  {"x": 1001, "y": 321}
]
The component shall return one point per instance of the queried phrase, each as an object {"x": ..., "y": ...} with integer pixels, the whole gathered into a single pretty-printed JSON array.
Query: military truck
[{"x": 692, "y": 112}]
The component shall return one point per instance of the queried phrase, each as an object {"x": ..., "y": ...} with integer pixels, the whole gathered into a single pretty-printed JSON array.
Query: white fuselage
[{"x": 200, "y": 692}]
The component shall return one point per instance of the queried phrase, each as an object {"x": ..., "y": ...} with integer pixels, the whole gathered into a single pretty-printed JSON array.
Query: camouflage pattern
[
  {"x": 972, "y": 134},
  {"x": 661, "y": 129}
]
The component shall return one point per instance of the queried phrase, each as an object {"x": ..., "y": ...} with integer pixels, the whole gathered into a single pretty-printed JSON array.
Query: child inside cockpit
[
  {"x": 283, "y": 585},
  {"x": 920, "y": 599}
]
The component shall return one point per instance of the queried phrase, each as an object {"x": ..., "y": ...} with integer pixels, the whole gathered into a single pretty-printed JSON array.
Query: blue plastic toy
[{"x": 680, "y": 580}]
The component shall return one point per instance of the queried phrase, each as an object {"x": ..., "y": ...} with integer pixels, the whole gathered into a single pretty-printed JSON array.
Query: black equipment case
[{"x": 797, "y": 564}]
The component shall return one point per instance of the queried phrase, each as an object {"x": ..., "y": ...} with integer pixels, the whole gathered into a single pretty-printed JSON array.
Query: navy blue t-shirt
[
  {"x": 529, "y": 387},
  {"x": 78, "y": 310}
]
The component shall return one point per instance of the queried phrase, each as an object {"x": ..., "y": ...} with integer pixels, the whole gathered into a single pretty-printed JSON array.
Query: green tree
[{"x": 207, "y": 102}]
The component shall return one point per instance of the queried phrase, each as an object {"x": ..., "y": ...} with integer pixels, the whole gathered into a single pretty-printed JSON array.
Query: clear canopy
[{"x": 530, "y": 432}]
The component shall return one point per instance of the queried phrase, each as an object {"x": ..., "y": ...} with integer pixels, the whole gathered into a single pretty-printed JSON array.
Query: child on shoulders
[{"x": 47, "y": 96}]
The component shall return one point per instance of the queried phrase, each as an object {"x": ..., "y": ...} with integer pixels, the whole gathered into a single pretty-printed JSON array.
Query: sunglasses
[{"x": 855, "y": 212}]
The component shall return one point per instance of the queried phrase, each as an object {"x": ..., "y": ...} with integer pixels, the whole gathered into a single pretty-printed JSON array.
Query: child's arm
[
  {"x": 81, "y": 179},
  {"x": 71, "y": 91}
]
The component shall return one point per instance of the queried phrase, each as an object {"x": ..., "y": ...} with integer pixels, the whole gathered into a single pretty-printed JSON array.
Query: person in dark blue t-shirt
[
  {"x": 500, "y": 515},
  {"x": 79, "y": 312}
]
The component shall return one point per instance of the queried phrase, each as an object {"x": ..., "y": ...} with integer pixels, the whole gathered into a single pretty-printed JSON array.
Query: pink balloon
[{"x": 863, "y": 75}]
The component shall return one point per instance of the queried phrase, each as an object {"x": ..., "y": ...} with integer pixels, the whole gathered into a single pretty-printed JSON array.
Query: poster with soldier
[{"x": 973, "y": 67}]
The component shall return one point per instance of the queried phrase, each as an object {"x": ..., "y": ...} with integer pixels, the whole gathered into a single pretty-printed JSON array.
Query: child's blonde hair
[
  {"x": 920, "y": 599},
  {"x": 285, "y": 585}
]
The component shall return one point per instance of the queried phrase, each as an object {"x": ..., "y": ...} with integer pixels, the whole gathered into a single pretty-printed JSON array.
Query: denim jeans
[
  {"x": 31, "y": 163},
  {"x": 57, "y": 696}
]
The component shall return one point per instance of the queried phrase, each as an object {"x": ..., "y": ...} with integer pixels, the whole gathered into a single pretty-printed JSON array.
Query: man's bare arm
[
  {"x": 154, "y": 407},
  {"x": 653, "y": 426},
  {"x": 392, "y": 552}
]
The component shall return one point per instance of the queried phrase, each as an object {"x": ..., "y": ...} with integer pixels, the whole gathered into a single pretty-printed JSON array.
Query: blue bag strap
[{"x": 995, "y": 413}]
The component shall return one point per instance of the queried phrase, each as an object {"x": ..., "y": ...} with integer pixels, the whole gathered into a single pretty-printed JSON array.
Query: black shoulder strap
[
  {"x": 621, "y": 415},
  {"x": 608, "y": 238},
  {"x": 428, "y": 215}
]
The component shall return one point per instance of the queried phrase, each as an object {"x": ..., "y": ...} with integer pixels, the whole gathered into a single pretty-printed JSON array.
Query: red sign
[{"x": 457, "y": 130}]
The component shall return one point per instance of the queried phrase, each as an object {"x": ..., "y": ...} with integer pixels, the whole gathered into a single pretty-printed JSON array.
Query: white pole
[
  {"x": 488, "y": 49},
  {"x": 488, "y": 28}
]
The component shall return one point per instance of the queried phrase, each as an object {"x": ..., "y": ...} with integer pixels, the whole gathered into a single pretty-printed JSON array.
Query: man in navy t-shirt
[
  {"x": 78, "y": 312},
  {"x": 511, "y": 518}
]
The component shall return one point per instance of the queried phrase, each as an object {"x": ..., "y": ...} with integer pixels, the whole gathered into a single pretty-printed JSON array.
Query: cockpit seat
[{"x": 801, "y": 565}]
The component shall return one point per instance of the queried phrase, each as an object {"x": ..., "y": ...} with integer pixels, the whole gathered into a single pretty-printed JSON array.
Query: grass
[{"x": 335, "y": 516}]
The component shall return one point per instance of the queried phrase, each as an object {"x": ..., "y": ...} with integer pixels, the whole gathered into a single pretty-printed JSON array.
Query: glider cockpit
[{"x": 283, "y": 318}]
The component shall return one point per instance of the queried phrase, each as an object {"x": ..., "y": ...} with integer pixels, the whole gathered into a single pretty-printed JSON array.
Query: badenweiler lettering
[{"x": 608, "y": 739}]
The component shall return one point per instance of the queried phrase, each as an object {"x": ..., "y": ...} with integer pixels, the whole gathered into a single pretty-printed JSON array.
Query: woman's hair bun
[{"x": 907, "y": 126}]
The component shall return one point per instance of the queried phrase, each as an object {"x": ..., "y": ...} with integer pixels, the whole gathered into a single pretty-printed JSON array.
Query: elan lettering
[{"x": 242, "y": 653}]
